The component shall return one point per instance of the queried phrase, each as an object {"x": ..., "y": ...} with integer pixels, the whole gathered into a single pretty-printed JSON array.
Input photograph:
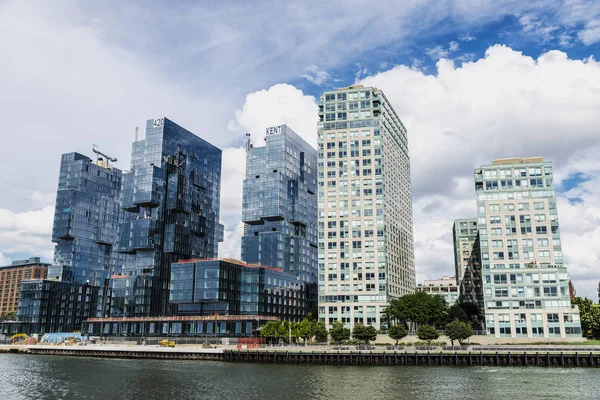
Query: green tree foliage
[
  {"x": 589, "y": 313},
  {"x": 457, "y": 312},
  {"x": 9, "y": 316},
  {"x": 364, "y": 333},
  {"x": 397, "y": 332},
  {"x": 418, "y": 309},
  {"x": 305, "y": 330},
  {"x": 338, "y": 333},
  {"x": 319, "y": 331},
  {"x": 459, "y": 330},
  {"x": 270, "y": 329},
  {"x": 428, "y": 333}
]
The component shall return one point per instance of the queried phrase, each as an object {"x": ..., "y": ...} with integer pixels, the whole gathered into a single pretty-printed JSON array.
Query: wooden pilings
[
  {"x": 337, "y": 357},
  {"x": 423, "y": 358}
]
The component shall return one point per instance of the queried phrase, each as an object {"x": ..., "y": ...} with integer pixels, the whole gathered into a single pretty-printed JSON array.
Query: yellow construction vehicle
[
  {"x": 18, "y": 337},
  {"x": 166, "y": 343}
]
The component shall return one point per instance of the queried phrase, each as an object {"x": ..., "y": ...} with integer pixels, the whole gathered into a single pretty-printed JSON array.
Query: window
[
  {"x": 494, "y": 207},
  {"x": 541, "y": 230},
  {"x": 491, "y": 185},
  {"x": 509, "y": 207},
  {"x": 542, "y": 242}
]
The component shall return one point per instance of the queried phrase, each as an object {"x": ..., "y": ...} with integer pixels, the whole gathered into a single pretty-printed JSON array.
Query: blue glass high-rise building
[
  {"x": 280, "y": 204},
  {"x": 86, "y": 219},
  {"x": 171, "y": 201}
]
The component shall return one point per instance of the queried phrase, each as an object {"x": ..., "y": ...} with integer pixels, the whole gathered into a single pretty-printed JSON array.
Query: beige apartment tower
[
  {"x": 525, "y": 282},
  {"x": 366, "y": 248}
]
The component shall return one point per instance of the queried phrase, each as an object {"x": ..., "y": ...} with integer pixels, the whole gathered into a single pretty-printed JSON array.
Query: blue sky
[{"x": 471, "y": 80}]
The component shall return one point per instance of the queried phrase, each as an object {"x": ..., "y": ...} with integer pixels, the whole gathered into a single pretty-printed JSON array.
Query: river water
[{"x": 55, "y": 377}]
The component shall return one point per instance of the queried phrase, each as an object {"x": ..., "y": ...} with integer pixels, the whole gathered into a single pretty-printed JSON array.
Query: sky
[{"x": 471, "y": 80}]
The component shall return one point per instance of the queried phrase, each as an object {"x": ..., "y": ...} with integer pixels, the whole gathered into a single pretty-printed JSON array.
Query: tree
[
  {"x": 364, "y": 333},
  {"x": 417, "y": 309},
  {"x": 305, "y": 330},
  {"x": 397, "y": 332},
  {"x": 339, "y": 333},
  {"x": 457, "y": 312},
  {"x": 320, "y": 331},
  {"x": 459, "y": 330},
  {"x": 589, "y": 314},
  {"x": 283, "y": 330},
  {"x": 271, "y": 330},
  {"x": 428, "y": 333}
]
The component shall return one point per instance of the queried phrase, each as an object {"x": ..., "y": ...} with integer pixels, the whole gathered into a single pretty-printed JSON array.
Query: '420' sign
[{"x": 158, "y": 122}]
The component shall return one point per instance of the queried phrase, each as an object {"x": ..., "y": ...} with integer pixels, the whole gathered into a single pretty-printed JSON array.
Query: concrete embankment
[{"x": 563, "y": 356}]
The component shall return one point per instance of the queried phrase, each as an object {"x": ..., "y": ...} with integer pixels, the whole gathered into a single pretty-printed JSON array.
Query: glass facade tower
[
  {"x": 366, "y": 249},
  {"x": 525, "y": 282},
  {"x": 171, "y": 201},
  {"x": 280, "y": 204},
  {"x": 86, "y": 220}
]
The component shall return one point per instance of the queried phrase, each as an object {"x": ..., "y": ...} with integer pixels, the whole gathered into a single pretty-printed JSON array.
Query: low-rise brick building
[{"x": 11, "y": 277}]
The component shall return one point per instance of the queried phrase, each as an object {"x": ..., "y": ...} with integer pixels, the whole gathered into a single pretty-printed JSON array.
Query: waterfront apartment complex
[
  {"x": 171, "y": 201},
  {"x": 445, "y": 287},
  {"x": 86, "y": 219},
  {"x": 525, "y": 283},
  {"x": 232, "y": 287},
  {"x": 280, "y": 204},
  {"x": 366, "y": 255},
  {"x": 11, "y": 277}
]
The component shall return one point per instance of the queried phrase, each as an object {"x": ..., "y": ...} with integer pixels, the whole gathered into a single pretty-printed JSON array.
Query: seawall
[{"x": 481, "y": 357}]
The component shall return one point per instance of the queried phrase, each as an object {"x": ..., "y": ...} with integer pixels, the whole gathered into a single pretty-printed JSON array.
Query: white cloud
[
  {"x": 437, "y": 52},
  {"x": 231, "y": 245},
  {"x": 71, "y": 87},
  {"x": 28, "y": 232},
  {"x": 467, "y": 38},
  {"x": 4, "y": 260},
  {"x": 280, "y": 104},
  {"x": 539, "y": 28},
  {"x": 582, "y": 16},
  {"x": 501, "y": 105},
  {"x": 234, "y": 172},
  {"x": 313, "y": 74}
]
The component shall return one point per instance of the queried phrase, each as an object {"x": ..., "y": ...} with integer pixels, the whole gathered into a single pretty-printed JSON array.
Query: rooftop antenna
[
  {"x": 248, "y": 142},
  {"x": 136, "y": 133}
]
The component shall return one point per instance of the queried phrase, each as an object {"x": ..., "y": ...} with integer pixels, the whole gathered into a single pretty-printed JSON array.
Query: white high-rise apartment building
[
  {"x": 366, "y": 254},
  {"x": 525, "y": 283}
]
